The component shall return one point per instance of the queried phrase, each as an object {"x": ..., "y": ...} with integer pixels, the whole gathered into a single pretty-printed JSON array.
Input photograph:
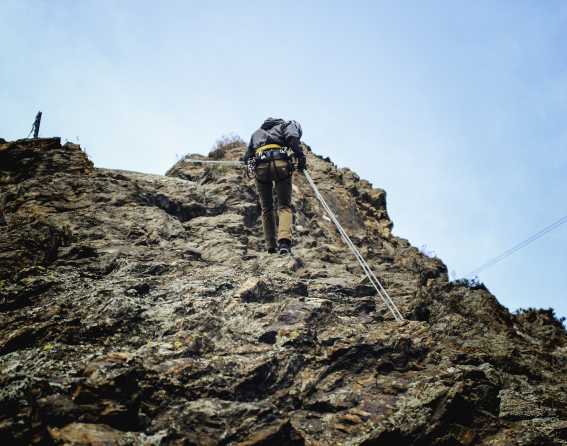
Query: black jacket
[{"x": 276, "y": 131}]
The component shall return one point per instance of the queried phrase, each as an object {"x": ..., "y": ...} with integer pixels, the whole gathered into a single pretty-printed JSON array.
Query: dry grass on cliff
[{"x": 225, "y": 143}]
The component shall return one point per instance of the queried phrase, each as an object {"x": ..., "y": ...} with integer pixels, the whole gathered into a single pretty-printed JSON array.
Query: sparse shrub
[
  {"x": 473, "y": 283},
  {"x": 548, "y": 316},
  {"x": 224, "y": 143}
]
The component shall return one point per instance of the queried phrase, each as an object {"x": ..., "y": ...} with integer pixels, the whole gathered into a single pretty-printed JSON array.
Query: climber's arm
[{"x": 293, "y": 133}]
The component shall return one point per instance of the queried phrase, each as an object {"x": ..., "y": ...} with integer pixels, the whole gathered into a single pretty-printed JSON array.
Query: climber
[{"x": 268, "y": 156}]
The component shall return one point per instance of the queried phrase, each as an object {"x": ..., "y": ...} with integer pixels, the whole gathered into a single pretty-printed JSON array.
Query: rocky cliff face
[{"x": 142, "y": 310}]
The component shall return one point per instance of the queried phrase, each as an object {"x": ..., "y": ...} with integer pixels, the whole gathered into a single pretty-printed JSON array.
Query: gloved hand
[
  {"x": 251, "y": 165},
  {"x": 301, "y": 162}
]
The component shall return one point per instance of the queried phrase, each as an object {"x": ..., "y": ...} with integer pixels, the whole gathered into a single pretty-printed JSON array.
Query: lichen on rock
[{"x": 143, "y": 309}]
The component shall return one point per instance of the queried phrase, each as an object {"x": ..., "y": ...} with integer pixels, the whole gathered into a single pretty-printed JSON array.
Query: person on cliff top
[{"x": 268, "y": 156}]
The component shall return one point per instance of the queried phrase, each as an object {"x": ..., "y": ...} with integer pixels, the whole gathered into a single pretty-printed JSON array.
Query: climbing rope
[
  {"x": 366, "y": 268},
  {"x": 362, "y": 262},
  {"x": 229, "y": 163}
]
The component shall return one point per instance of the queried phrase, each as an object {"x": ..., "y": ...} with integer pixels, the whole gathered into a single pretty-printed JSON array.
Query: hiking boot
[
  {"x": 284, "y": 246},
  {"x": 272, "y": 246}
]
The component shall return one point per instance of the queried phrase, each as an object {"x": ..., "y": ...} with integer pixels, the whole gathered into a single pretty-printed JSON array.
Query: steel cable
[{"x": 517, "y": 247}]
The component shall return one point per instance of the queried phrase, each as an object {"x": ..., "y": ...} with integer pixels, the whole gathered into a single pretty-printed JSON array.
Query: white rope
[
  {"x": 230, "y": 163},
  {"x": 366, "y": 268}
]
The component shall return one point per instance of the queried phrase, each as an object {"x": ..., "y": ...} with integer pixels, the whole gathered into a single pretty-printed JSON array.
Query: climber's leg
[
  {"x": 283, "y": 190},
  {"x": 264, "y": 189}
]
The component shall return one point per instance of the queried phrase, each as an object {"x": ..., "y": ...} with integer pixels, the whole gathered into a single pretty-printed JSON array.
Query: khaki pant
[{"x": 268, "y": 173}]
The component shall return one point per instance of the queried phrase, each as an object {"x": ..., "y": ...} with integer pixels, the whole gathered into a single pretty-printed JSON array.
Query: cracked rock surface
[{"x": 141, "y": 309}]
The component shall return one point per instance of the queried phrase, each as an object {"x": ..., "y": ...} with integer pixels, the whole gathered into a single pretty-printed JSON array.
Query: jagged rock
[
  {"x": 143, "y": 309},
  {"x": 523, "y": 404},
  {"x": 282, "y": 433},
  {"x": 254, "y": 289},
  {"x": 84, "y": 434},
  {"x": 28, "y": 243},
  {"x": 26, "y": 158}
]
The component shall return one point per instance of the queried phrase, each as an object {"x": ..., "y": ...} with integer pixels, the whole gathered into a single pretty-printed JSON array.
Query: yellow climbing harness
[{"x": 267, "y": 147}]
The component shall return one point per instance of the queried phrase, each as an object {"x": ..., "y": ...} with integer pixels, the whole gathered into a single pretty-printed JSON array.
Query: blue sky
[{"x": 458, "y": 109}]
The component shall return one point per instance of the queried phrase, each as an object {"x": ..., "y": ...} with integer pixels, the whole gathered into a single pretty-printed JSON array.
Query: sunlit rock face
[{"x": 141, "y": 309}]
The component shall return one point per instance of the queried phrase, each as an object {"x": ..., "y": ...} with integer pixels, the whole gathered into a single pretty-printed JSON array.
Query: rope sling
[{"x": 380, "y": 290}]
